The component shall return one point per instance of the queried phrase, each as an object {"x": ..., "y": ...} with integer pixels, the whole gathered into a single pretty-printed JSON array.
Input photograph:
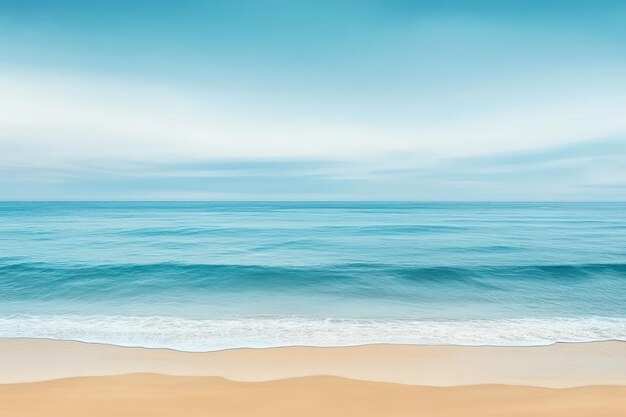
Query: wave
[
  {"x": 392, "y": 229},
  {"x": 215, "y": 334},
  {"x": 44, "y": 280},
  {"x": 343, "y": 291}
]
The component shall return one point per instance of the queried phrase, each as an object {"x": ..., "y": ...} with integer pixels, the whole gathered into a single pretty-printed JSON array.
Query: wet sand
[{"x": 557, "y": 366}]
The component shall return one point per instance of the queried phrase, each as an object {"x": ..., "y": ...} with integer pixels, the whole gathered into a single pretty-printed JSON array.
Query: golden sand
[{"x": 138, "y": 395}]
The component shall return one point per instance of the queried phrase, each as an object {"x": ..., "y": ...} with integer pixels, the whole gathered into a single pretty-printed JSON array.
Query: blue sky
[{"x": 313, "y": 100}]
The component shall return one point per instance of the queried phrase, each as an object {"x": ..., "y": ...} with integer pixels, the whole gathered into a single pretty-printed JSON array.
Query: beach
[
  {"x": 312, "y": 309},
  {"x": 65, "y": 378}
]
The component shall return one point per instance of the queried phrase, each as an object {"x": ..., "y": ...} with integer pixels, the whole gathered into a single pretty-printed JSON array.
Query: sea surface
[{"x": 213, "y": 275}]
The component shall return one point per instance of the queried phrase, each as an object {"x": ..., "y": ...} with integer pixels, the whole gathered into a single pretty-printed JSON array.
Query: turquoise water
[{"x": 201, "y": 276}]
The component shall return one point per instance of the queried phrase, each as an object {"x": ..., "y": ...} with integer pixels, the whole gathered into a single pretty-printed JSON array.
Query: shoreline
[
  {"x": 357, "y": 345},
  {"x": 559, "y": 365},
  {"x": 199, "y": 335}
]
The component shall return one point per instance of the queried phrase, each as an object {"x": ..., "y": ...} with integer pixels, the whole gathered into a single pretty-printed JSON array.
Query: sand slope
[{"x": 137, "y": 395}]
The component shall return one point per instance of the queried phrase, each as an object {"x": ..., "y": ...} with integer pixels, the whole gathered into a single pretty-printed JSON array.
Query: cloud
[
  {"x": 67, "y": 118},
  {"x": 64, "y": 119},
  {"x": 94, "y": 134}
]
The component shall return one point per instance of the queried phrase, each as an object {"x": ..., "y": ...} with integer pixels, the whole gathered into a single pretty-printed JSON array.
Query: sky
[{"x": 423, "y": 100}]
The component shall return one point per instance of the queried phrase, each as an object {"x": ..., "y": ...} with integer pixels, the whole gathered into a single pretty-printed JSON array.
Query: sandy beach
[
  {"x": 64, "y": 378},
  {"x": 159, "y": 395}
]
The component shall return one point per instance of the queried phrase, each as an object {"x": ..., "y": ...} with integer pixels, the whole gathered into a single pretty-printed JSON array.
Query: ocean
[{"x": 212, "y": 275}]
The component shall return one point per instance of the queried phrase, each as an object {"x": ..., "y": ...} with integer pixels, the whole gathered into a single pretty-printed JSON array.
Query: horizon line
[{"x": 323, "y": 201}]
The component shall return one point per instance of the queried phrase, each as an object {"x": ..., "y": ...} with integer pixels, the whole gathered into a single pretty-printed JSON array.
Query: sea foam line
[{"x": 215, "y": 334}]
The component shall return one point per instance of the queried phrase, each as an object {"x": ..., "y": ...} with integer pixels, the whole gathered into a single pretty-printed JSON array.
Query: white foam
[{"x": 214, "y": 334}]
